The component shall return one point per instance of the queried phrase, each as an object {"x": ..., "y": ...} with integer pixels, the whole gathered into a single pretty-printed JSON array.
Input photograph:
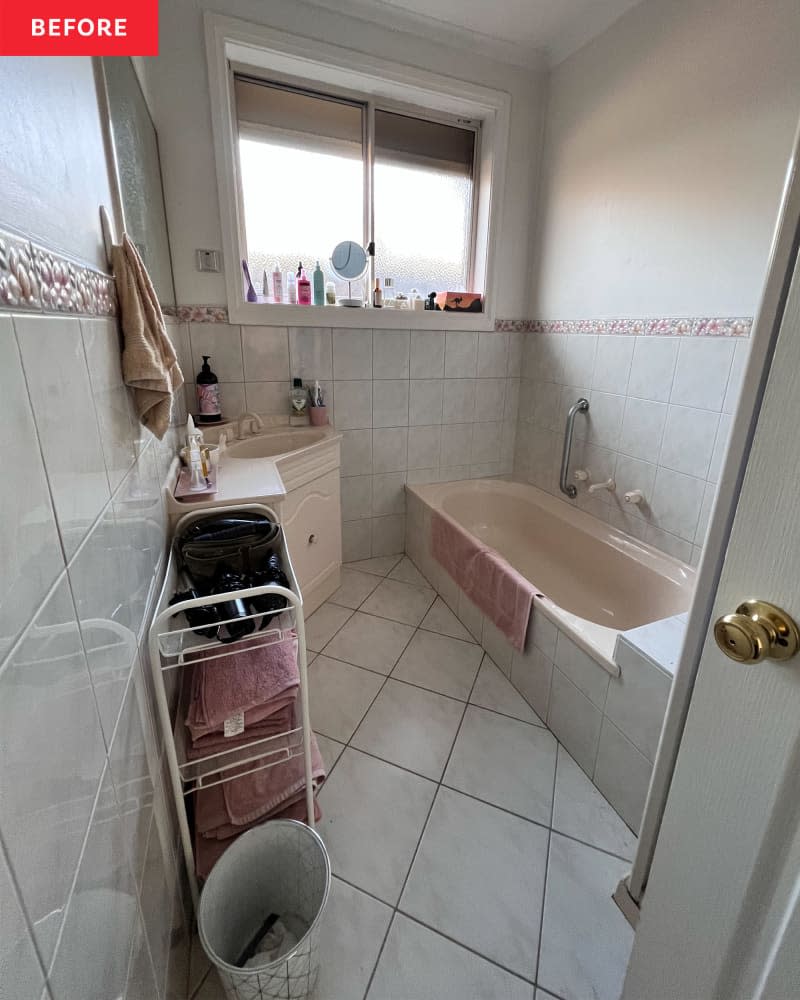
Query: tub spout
[{"x": 609, "y": 485}]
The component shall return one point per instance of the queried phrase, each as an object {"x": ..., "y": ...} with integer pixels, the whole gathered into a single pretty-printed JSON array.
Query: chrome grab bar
[{"x": 582, "y": 406}]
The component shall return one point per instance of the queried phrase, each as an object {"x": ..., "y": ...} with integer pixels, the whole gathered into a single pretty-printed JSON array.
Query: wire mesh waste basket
[{"x": 275, "y": 875}]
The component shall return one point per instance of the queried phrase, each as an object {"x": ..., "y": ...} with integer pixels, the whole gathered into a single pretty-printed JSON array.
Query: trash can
[{"x": 277, "y": 871}]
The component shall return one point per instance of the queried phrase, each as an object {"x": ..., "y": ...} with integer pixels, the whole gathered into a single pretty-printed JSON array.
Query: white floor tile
[
  {"x": 411, "y": 728},
  {"x": 508, "y": 763},
  {"x": 441, "y": 619},
  {"x": 367, "y": 641},
  {"x": 586, "y": 942},
  {"x": 340, "y": 695},
  {"x": 373, "y": 815},
  {"x": 399, "y": 601},
  {"x": 354, "y": 926},
  {"x": 440, "y": 663},
  {"x": 418, "y": 964},
  {"x": 331, "y": 750},
  {"x": 493, "y": 690},
  {"x": 323, "y": 625},
  {"x": 378, "y": 566},
  {"x": 406, "y": 571},
  {"x": 211, "y": 988},
  {"x": 580, "y": 811},
  {"x": 478, "y": 877},
  {"x": 198, "y": 964},
  {"x": 354, "y": 589}
]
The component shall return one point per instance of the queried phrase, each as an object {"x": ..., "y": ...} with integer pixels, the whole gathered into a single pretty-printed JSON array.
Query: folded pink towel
[
  {"x": 223, "y": 809},
  {"x": 490, "y": 582},
  {"x": 250, "y": 680},
  {"x": 208, "y": 852},
  {"x": 278, "y": 722}
]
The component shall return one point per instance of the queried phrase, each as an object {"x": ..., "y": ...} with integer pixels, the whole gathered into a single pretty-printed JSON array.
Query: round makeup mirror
[{"x": 349, "y": 262}]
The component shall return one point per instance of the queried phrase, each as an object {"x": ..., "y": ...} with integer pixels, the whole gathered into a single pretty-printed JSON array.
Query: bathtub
[{"x": 591, "y": 580}]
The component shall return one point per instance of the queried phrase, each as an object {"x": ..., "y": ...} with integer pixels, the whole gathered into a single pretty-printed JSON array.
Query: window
[{"x": 306, "y": 161}]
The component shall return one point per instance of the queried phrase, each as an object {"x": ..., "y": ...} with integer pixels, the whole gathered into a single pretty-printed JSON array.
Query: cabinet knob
[{"x": 312, "y": 538}]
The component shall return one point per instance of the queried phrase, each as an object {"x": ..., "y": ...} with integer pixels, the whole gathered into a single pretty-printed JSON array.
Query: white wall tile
[
  {"x": 642, "y": 429},
  {"x": 390, "y": 403},
  {"x": 486, "y": 440},
  {"x": 492, "y": 354},
  {"x": 734, "y": 388},
  {"x": 60, "y": 393},
  {"x": 514, "y": 362},
  {"x": 459, "y": 401},
  {"x": 676, "y": 502},
  {"x": 390, "y": 354},
  {"x": 546, "y": 400},
  {"x": 688, "y": 440},
  {"x": 605, "y": 418},
  {"x": 356, "y": 452},
  {"x": 32, "y": 556},
  {"x": 679, "y": 548},
  {"x": 427, "y": 354},
  {"x": 622, "y": 774},
  {"x": 532, "y": 675},
  {"x": 356, "y": 497},
  {"x": 352, "y": 354},
  {"x": 633, "y": 474},
  {"x": 23, "y": 976},
  {"x": 720, "y": 447},
  {"x": 461, "y": 354},
  {"x": 223, "y": 344},
  {"x": 584, "y": 672},
  {"x": 425, "y": 401},
  {"x": 232, "y": 397},
  {"x": 578, "y": 360},
  {"x": 310, "y": 353},
  {"x": 356, "y": 540},
  {"x": 653, "y": 368},
  {"x": 388, "y": 534},
  {"x": 701, "y": 374},
  {"x": 424, "y": 444},
  {"x": 612, "y": 363},
  {"x": 489, "y": 398},
  {"x": 388, "y": 493},
  {"x": 268, "y": 398},
  {"x": 511, "y": 403},
  {"x": 353, "y": 401},
  {"x": 637, "y": 700},
  {"x": 456, "y": 444},
  {"x": 574, "y": 720},
  {"x": 390, "y": 449},
  {"x": 265, "y": 352}
]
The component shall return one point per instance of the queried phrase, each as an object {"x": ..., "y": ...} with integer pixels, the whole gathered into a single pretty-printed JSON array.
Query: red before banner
[{"x": 78, "y": 27}]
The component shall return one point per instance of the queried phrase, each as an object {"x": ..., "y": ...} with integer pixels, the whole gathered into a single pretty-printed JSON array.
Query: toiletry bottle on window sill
[
  {"x": 388, "y": 293},
  {"x": 377, "y": 295},
  {"x": 291, "y": 288},
  {"x": 319, "y": 286},
  {"x": 330, "y": 293},
  {"x": 303, "y": 286},
  {"x": 277, "y": 283}
]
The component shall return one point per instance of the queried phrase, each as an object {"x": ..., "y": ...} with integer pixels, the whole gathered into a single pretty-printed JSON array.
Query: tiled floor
[{"x": 472, "y": 857}]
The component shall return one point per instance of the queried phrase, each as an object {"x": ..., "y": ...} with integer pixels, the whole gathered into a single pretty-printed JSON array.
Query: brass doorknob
[{"x": 757, "y": 631}]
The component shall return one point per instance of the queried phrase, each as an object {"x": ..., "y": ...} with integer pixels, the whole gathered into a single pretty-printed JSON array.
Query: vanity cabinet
[{"x": 312, "y": 524}]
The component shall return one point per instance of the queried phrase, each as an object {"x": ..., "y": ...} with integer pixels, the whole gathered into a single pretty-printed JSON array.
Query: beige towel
[{"x": 149, "y": 363}]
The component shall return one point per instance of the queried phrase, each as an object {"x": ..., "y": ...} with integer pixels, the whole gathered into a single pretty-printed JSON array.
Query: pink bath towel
[
  {"x": 256, "y": 681},
  {"x": 490, "y": 582},
  {"x": 278, "y": 722},
  {"x": 208, "y": 852}
]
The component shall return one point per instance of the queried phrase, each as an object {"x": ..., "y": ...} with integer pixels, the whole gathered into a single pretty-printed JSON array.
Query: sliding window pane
[{"x": 302, "y": 177}]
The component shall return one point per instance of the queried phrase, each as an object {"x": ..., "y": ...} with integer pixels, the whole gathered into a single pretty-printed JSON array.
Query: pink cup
[{"x": 319, "y": 415}]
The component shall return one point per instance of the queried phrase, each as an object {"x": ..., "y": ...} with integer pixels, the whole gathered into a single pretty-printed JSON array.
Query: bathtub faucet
[{"x": 609, "y": 485}]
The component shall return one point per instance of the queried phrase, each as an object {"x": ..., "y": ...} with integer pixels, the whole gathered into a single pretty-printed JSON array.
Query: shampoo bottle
[
  {"x": 209, "y": 410},
  {"x": 291, "y": 286},
  {"x": 277, "y": 283},
  {"x": 319, "y": 286},
  {"x": 303, "y": 287}
]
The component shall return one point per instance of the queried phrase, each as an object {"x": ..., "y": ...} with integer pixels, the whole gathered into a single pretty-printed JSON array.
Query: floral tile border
[
  {"x": 670, "y": 326},
  {"x": 39, "y": 280},
  {"x": 202, "y": 314}
]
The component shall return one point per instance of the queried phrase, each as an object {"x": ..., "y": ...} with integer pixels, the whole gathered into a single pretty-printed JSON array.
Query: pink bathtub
[{"x": 592, "y": 580}]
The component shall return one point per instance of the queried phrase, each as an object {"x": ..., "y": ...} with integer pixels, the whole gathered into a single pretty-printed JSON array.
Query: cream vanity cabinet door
[{"x": 311, "y": 516}]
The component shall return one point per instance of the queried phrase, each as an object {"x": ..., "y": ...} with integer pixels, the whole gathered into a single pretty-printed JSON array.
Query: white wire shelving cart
[{"x": 175, "y": 646}]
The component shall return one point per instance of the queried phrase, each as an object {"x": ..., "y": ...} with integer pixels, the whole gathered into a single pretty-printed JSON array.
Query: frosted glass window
[{"x": 302, "y": 178}]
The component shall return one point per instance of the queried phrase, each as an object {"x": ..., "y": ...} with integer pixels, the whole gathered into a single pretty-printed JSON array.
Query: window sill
[{"x": 270, "y": 314}]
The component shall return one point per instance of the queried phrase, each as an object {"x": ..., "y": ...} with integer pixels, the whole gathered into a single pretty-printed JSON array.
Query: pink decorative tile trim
[
  {"x": 670, "y": 326},
  {"x": 202, "y": 314},
  {"x": 514, "y": 325},
  {"x": 41, "y": 280}
]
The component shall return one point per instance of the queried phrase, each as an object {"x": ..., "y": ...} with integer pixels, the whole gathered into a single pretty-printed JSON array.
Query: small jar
[{"x": 330, "y": 293}]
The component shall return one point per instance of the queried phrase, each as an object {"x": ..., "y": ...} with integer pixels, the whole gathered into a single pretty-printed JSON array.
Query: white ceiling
[{"x": 517, "y": 30}]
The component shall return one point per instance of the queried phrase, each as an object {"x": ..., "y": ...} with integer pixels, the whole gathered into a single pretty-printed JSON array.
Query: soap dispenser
[{"x": 209, "y": 409}]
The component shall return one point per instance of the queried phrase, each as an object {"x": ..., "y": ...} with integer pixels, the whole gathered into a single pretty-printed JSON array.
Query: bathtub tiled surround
[
  {"x": 659, "y": 419},
  {"x": 412, "y": 406},
  {"x": 491, "y": 876},
  {"x": 610, "y": 725},
  {"x": 92, "y": 901}
]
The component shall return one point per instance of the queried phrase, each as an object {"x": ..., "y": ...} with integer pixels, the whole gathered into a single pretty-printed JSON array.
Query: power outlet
[{"x": 208, "y": 261}]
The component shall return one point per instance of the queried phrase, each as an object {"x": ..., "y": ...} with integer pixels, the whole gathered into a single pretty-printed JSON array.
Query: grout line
[{"x": 546, "y": 866}]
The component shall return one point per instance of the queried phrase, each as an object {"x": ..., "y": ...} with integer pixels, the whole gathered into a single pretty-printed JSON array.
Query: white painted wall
[
  {"x": 667, "y": 141},
  {"x": 177, "y": 86},
  {"x": 53, "y": 175}
]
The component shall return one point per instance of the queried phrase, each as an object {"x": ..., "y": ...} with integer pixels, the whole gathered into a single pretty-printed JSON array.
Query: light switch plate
[{"x": 208, "y": 260}]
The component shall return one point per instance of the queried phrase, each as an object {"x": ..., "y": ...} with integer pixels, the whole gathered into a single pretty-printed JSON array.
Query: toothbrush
[{"x": 251, "y": 292}]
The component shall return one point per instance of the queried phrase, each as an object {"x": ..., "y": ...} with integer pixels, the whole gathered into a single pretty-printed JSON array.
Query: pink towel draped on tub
[
  {"x": 488, "y": 580},
  {"x": 256, "y": 681}
]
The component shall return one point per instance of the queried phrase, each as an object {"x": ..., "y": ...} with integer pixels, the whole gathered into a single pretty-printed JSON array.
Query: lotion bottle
[
  {"x": 303, "y": 287},
  {"x": 291, "y": 284},
  {"x": 209, "y": 410},
  {"x": 277, "y": 283},
  {"x": 319, "y": 286}
]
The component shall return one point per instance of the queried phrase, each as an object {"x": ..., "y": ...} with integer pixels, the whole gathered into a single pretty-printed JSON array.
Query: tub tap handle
[
  {"x": 581, "y": 475},
  {"x": 634, "y": 496},
  {"x": 609, "y": 485}
]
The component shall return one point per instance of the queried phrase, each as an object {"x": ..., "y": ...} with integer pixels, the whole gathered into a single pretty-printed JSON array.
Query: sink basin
[{"x": 275, "y": 443}]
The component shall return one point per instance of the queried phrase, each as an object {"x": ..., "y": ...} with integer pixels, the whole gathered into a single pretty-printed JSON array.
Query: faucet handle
[
  {"x": 581, "y": 475},
  {"x": 634, "y": 496}
]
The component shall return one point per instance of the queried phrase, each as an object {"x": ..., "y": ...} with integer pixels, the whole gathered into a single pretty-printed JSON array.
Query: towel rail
[{"x": 580, "y": 406}]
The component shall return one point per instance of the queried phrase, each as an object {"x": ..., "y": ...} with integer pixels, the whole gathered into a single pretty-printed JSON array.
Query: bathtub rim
[{"x": 599, "y": 641}]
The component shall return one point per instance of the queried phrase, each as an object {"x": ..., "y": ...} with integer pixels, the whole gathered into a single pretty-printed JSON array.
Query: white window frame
[{"x": 263, "y": 51}]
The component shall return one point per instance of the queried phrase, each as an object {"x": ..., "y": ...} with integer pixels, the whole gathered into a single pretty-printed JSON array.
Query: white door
[{"x": 720, "y": 915}]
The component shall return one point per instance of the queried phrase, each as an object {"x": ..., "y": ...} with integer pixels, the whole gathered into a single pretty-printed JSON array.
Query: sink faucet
[{"x": 256, "y": 423}]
